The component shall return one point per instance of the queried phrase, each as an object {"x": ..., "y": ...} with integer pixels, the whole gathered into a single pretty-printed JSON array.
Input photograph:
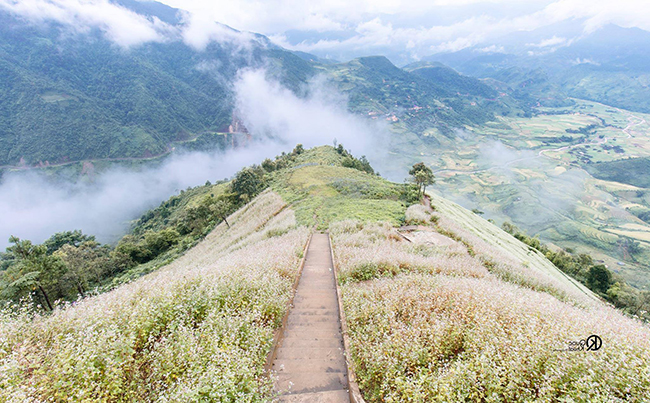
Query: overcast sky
[
  {"x": 417, "y": 28},
  {"x": 343, "y": 29}
]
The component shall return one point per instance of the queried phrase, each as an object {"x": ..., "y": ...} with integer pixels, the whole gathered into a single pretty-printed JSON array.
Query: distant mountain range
[
  {"x": 76, "y": 97},
  {"x": 610, "y": 65}
]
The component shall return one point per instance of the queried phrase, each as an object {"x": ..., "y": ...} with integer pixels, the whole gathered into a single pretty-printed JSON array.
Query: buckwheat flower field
[
  {"x": 197, "y": 330},
  {"x": 429, "y": 322}
]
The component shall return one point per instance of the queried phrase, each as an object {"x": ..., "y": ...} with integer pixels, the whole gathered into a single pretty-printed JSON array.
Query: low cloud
[
  {"x": 125, "y": 27},
  {"x": 34, "y": 207},
  {"x": 199, "y": 31},
  {"x": 122, "y": 26},
  {"x": 534, "y": 203},
  {"x": 554, "y": 41},
  {"x": 271, "y": 111},
  {"x": 338, "y": 29}
]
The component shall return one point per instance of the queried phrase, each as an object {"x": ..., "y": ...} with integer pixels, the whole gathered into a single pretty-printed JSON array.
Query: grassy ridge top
[{"x": 323, "y": 188}]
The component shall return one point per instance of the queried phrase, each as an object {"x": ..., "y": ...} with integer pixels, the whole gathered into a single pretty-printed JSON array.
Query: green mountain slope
[
  {"x": 608, "y": 65},
  {"x": 78, "y": 97},
  {"x": 424, "y": 98},
  {"x": 69, "y": 98}
]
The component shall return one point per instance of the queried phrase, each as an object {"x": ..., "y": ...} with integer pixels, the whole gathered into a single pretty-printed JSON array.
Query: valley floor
[{"x": 571, "y": 175}]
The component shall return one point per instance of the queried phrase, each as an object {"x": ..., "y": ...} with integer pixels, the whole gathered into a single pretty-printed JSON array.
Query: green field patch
[
  {"x": 632, "y": 171},
  {"x": 321, "y": 191}
]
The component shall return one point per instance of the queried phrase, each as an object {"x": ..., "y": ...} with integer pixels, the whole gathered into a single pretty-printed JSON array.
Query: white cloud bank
[
  {"x": 122, "y": 26},
  {"x": 398, "y": 25},
  {"x": 370, "y": 26}
]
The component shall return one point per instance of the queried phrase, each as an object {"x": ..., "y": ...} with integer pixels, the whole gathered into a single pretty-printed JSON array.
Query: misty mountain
[
  {"x": 420, "y": 97},
  {"x": 71, "y": 96},
  {"x": 610, "y": 65},
  {"x": 67, "y": 97}
]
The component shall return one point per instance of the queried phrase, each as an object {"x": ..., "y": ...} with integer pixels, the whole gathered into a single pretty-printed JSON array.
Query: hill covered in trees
[{"x": 75, "y": 97}]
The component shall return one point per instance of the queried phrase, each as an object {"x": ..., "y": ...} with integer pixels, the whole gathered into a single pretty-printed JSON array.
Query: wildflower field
[
  {"x": 479, "y": 317},
  {"x": 447, "y": 308},
  {"x": 198, "y": 329}
]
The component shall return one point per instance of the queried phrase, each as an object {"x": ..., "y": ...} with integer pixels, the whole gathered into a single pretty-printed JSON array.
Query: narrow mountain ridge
[{"x": 440, "y": 304}]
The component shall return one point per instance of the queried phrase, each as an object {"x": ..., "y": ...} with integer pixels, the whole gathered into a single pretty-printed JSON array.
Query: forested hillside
[
  {"x": 71, "y": 97},
  {"x": 424, "y": 97}
]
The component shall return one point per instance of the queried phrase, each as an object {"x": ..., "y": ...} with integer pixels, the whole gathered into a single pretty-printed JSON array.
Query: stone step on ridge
[
  {"x": 315, "y": 312},
  {"x": 310, "y": 361},
  {"x": 321, "y": 365},
  {"x": 310, "y": 382},
  {"x": 311, "y": 342},
  {"x": 330, "y": 396},
  {"x": 311, "y": 353}
]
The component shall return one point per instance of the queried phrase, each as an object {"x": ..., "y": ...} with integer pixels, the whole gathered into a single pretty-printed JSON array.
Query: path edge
[
  {"x": 353, "y": 386},
  {"x": 278, "y": 335}
]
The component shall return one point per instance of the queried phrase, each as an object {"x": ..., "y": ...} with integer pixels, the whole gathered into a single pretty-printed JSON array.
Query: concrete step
[
  {"x": 297, "y": 366},
  {"x": 324, "y": 329},
  {"x": 311, "y": 333},
  {"x": 329, "y": 396},
  {"x": 317, "y": 283},
  {"x": 296, "y": 319},
  {"x": 313, "y": 353},
  {"x": 310, "y": 382},
  {"x": 302, "y": 303},
  {"x": 311, "y": 342},
  {"x": 315, "y": 312},
  {"x": 323, "y": 296}
]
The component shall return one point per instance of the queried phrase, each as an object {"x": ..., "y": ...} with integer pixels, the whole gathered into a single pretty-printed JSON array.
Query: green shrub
[{"x": 368, "y": 271}]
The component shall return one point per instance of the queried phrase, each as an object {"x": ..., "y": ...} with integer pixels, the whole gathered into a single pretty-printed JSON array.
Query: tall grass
[
  {"x": 451, "y": 339},
  {"x": 376, "y": 250},
  {"x": 515, "y": 261},
  {"x": 431, "y": 323},
  {"x": 196, "y": 330}
]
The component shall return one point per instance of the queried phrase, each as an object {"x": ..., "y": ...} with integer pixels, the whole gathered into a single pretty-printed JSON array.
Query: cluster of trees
[
  {"x": 589, "y": 129},
  {"x": 596, "y": 277},
  {"x": 65, "y": 266},
  {"x": 349, "y": 161},
  {"x": 422, "y": 176}
]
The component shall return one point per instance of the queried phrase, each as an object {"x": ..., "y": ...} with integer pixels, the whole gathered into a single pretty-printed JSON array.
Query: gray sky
[
  {"x": 346, "y": 28},
  {"x": 414, "y": 28}
]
